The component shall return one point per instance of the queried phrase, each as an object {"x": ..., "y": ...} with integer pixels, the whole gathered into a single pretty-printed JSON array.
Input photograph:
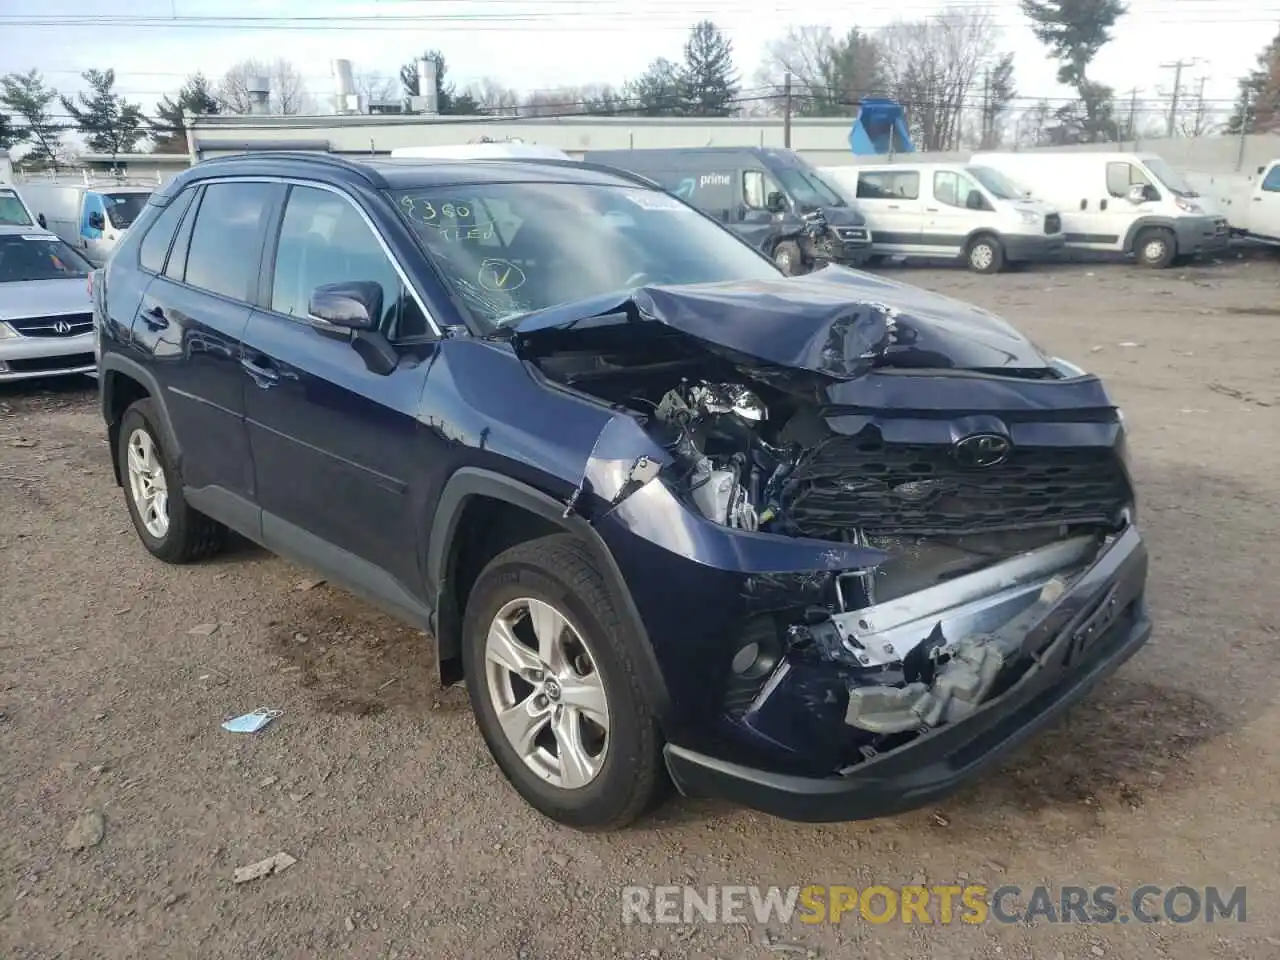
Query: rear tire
[
  {"x": 166, "y": 525},
  {"x": 985, "y": 254},
  {"x": 788, "y": 259},
  {"x": 578, "y": 738},
  {"x": 1155, "y": 248}
]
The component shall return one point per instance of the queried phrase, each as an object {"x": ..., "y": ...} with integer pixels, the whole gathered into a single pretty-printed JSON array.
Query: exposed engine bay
[{"x": 981, "y": 534}]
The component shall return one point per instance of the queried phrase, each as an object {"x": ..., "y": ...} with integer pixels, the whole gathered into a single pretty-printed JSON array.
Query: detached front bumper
[
  {"x": 23, "y": 358},
  {"x": 1023, "y": 247},
  {"x": 1092, "y": 628},
  {"x": 1201, "y": 235}
]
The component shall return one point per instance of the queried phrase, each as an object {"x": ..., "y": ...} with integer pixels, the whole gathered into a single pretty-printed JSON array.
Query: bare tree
[
  {"x": 594, "y": 98},
  {"x": 288, "y": 91},
  {"x": 828, "y": 75},
  {"x": 998, "y": 93},
  {"x": 934, "y": 67},
  {"x": 377, "y": 87},
  {"x": 1032, "y": 126},
  {"x": 494, "y": 98},
  {"x": 1200, "y": 118}
]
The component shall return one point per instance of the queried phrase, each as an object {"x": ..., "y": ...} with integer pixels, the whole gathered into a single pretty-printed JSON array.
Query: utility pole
[
  {"x": 1177, "y": 69},
  {"x": 1133, "y": 116},
  {"x": 786, "y": 116},
  {"x": 1244, "y": 128},
  {"x": 1202, "y": 111},
  {"x": 986, "y": 109}
]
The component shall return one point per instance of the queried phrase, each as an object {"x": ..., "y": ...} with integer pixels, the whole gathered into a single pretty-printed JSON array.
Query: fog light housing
[{"x": 757, "y": 654}]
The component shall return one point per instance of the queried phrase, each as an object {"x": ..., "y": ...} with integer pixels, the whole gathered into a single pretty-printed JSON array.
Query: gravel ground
[{"x": 115, "y": 672}]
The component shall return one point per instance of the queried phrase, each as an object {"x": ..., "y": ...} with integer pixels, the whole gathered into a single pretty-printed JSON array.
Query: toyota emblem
[
  {"x": 62, "y": 327},
  {"x": 982, "y": 450}
]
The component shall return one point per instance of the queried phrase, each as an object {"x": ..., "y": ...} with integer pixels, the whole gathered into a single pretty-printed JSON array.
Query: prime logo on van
[{"x": 714, "y": 180}]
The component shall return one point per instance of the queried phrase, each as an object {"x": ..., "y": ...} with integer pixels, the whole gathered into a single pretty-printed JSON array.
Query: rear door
[
  {"x": 890, "y": 200},
  {"x": 334, "y": 444},
  {"x": 190, "y": 324}
]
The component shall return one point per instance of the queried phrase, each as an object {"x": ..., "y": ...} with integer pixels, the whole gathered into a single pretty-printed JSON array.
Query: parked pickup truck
[{"x": 1250, "y": 201}]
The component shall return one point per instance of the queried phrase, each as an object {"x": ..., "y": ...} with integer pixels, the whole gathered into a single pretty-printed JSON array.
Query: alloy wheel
[
  {"x": 147, "y": 484},
  {"x": 548, "y": 696}
]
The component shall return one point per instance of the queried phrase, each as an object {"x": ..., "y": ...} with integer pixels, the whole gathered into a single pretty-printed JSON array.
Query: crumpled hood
[{"x": 836, "y": 322}]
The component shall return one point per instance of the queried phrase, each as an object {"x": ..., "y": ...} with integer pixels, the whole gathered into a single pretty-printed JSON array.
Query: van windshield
[
  {"x": 123, "y": 208},
  {"x": 808, "y": 189},
  {"x": 997, "y": 184},
  {"x": 12, "y": 212},
  {"x": 1169, "y": 177},
  {"x": 509, "y": 249}
]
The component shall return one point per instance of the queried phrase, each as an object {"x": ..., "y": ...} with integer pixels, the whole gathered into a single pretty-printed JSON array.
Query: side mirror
[
  {"x": 1137, "y": 193},
  {"x": 97, "y": 221},
  {"x": 353, "y": 304},
  {"x": 44, "y": 224},
  {"x": 776, "y": 202},
  {"x": 974, "y": 201}
]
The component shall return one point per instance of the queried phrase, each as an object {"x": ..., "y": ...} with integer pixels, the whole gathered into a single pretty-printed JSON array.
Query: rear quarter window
[
  {"x": 889, "y": 185},
  {"x": 226, "y": 241}
]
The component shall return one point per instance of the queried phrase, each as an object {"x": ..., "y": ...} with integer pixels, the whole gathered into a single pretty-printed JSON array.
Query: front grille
[
  {"x": 1052, "y": 223},
  {"x": 70, "y": 361},
  {"x": 74, "y": 324},
  {"x": 852, "y": 484}
]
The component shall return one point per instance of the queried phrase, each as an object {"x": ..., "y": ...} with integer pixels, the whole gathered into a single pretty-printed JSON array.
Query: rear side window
[
  {"x": 889, "y": 185},
  {"x": 156, "y": 243},
  {"x": 1272, "y": 182},
  {"x": 223, "y": 255}
]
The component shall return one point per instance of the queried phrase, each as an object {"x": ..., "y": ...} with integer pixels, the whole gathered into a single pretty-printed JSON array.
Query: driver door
[
  {"x": 336, "y": 448},
  {"x": 755, "y": 219},
  {"x": 93, "y": 227}
]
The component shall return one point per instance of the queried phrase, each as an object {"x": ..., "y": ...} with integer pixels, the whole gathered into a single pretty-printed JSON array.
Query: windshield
[
  {"x": 123, "y": 208},
  {"x": 1169, "y": 177},
  {"x": 12, "y": 211},
  {"x": 508, "y": 249},
  {"x": 997, "y": 184},
  {"x": 808, "y": 189},
  {"x": 39, "y": 257}
]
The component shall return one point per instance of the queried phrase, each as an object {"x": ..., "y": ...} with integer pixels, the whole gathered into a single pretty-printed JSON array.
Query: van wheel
[
  {"x": 1155, "y": 248},
  {"x": 874, "y": 260},
  {"x": 786, "y": 256},
  {"x": 552, "y": 670},
  {"x": 985, "y": 254}
]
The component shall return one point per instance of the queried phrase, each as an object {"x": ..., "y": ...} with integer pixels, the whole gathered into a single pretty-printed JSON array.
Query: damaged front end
[{"x": 906, "y": 507}]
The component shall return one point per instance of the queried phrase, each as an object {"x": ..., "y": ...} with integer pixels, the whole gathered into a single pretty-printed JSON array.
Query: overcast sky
[{"x": 537, "y": 44}]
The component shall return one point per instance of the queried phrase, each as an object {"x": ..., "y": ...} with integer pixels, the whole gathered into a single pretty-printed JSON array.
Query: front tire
[
  {"x": 552, "y": 673},
  {"x": 788, "y": 259},
  {"x": 166, "y": 525},
  {"x": 1156, "y": 248},
  {"x": 985, "y": 254}
]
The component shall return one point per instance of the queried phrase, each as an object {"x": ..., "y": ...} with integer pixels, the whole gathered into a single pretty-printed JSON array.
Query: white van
[
  {"x": 1249, "y": 201},
  {"x": 1129, "y": 203},
  {"x": 90, "y": 218},
  {"x": 950, "y": 210}
]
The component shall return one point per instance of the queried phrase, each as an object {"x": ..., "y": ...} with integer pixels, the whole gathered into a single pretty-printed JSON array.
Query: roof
[
  {"x": 12, "y": 230},
  {"x": 387, "y": 173}
]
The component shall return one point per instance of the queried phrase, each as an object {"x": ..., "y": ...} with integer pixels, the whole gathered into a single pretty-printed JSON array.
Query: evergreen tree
[
  {"x": 8, "y": 133},
  {"x": 658, "y": 92},
  {"x": 1074, "y": 31},
  {"x": 708, "y": 80},
  {"x": 169, "y": 129},
  {"x": 109, "y": 122},
  {"x": 29, "y": 99}
]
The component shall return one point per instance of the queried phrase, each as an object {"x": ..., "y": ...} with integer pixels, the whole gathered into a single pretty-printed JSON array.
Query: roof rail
[
  {"x": 297, "y": 156},
  {"x": 588, "y": 165}
]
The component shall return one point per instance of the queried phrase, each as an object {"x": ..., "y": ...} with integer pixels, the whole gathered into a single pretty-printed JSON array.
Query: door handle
[
  {"x": 155, "y": 318},
  {"x": 930, "y": 209},
  {"x": 262, "y": 372},
  {"x": 894, "y": 206}
]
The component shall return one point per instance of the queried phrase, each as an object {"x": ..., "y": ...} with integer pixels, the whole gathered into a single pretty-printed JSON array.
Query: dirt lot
[{"x": 409, "y": 844}]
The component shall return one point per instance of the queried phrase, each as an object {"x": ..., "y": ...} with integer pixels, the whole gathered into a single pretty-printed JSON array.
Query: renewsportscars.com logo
[{"x": 935, "y": 904}]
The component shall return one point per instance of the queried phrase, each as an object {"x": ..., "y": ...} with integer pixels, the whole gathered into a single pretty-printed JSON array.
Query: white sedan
[{"x": 46, "y": 317}]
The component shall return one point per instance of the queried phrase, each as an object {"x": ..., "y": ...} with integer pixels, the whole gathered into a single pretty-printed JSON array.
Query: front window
[
  {"x": 1170, "y": 177},
  {"x": 997, "y": 184},
  {"x": 12, "y": 212},
  {"x": 25, "y": 257},
  {"x": 808, "y": 189},
  {"x": 508, "y": 249},
  {"x": 124, "y": 208},
  {"x": 756, "y": 187}
]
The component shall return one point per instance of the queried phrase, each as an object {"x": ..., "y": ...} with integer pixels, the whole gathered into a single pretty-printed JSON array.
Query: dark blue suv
[{"x": 825, "y": 545}]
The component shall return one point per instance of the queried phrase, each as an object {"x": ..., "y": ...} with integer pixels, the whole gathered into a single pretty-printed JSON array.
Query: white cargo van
[
  {"x": 1249, "y": 201},
  {"x": 92, "y": 218},
  {"x": 949, "y": 210},
  {"x": 1128, "y": 203}
]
